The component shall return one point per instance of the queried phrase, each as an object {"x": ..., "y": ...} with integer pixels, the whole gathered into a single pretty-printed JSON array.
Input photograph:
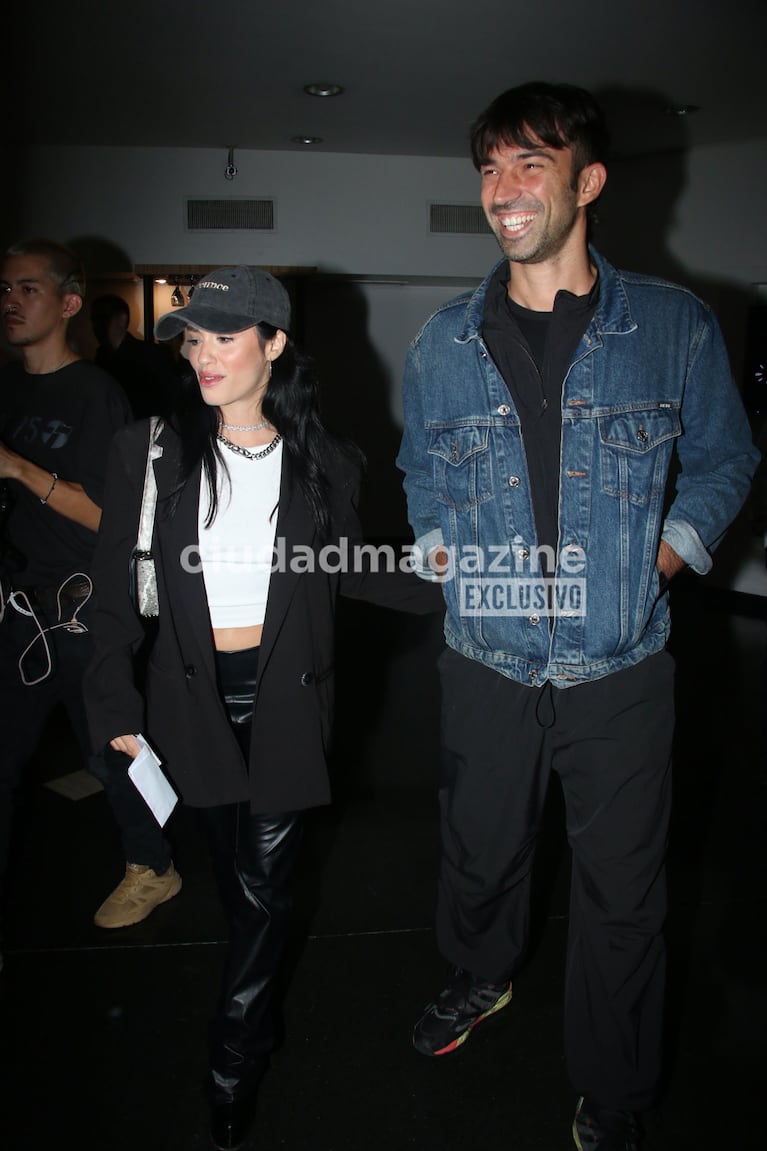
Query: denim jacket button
[
  {"x": 504, "y": 410},
  {"x": 532, "y": 674},
  {"x": 523, "y": 554},
  {"x": 534, "y": 620},
  {"x": 514, "y": 481}
]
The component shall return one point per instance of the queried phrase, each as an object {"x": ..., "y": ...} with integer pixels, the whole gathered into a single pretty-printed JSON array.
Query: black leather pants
[{"x": 253, "y": 858}]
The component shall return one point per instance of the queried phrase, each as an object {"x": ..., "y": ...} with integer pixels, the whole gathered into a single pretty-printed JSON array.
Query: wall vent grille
[
  {"x": 230, "y": 215},
  {"x": 458, "y": 220}
]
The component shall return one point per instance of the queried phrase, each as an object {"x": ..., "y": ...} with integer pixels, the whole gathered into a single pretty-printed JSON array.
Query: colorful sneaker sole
[
  {"x": 501, "y": 1002},
  {"x": 587, "y": 1137}
]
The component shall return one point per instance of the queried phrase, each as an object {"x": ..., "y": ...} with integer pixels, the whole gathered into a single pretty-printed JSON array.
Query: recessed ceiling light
[
  {"x": 681, "y": 109},
  {"x": 306, "y": 140},
  {"x": 323, "y": 89}
]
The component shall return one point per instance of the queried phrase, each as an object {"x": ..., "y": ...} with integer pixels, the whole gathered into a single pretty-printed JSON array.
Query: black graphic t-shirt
[{"x": 64, "y": 422}]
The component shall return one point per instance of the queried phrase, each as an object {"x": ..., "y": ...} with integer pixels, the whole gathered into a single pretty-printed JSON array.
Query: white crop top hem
[{"x": 237, "y": 551}]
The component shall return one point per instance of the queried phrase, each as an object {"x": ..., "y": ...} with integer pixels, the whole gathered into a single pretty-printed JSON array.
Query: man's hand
[{"x": 669, "y": 563}]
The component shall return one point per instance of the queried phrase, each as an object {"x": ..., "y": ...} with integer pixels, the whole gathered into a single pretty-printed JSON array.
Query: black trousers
[
  {"x": 25, "y": 708},
  {"x": 253, "y": 858},
  {"x": 609, "y": 741}
]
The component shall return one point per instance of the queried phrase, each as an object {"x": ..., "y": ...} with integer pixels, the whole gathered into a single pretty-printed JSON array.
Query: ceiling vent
[
  {"x": 458, "y": 220},
  {"x": 230, "y": 215}
]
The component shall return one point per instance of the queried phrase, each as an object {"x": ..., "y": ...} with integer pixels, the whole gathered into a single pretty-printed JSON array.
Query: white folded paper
[{"x": 155, "y": 790}]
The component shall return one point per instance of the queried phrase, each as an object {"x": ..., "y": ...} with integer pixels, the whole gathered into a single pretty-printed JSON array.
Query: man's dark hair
[
  {"x": 64, "y": 267},
  {"x": 557, "y": 115}
]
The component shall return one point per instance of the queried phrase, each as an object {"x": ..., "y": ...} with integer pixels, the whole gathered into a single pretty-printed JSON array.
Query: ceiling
[{"x": 223, "y": 73}]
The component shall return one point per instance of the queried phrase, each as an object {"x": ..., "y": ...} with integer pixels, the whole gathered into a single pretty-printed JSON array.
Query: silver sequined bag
[{"x": 143, "y": 577}]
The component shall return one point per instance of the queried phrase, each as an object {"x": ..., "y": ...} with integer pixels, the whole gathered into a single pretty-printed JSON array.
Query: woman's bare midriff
[{"x": 237, "y": 638}]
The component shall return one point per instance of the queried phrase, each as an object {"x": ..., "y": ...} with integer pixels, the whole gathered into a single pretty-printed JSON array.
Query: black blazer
[{"x": 182, "y": 714}]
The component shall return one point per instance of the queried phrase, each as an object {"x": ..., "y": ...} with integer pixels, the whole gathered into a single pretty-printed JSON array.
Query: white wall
[
  {"x": 702, "y": 210},
  {"x": 720, "y": 225},
  {"x": 334, "y": 212}
]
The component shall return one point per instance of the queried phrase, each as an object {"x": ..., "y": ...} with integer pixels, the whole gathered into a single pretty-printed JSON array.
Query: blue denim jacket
[{"x": 649, "y": 384}]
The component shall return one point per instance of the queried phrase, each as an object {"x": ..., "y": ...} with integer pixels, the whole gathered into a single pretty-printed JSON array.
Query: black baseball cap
[{"x": 230, "y": 300}]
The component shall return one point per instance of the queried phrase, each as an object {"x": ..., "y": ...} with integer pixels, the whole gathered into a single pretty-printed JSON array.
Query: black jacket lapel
[
  {"x": 294, "y": 534},
  {"x": 179, "y": 543}
]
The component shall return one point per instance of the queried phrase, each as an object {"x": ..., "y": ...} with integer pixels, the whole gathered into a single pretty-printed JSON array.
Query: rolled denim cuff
[
  {"x": 687, "y": 544},
  {"x": 422, "y": 549}
]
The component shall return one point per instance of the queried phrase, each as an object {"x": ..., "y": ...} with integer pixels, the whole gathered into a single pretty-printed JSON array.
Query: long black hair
[{"x": 291, "y": 404}]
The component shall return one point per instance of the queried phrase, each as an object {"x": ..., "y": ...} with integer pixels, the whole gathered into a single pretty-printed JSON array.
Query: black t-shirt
[
  {"x": 64, "y": 422},
  {"x": 532, "y": 351}
]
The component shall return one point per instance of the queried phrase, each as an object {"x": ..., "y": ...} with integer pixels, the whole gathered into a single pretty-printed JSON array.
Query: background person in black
[
  {"x": 145, "y": 370},
  {"x": 57, "y": 417}
]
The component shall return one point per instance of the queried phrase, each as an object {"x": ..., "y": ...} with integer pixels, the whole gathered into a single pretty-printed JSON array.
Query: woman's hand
[{"x": 127, "y": 744}]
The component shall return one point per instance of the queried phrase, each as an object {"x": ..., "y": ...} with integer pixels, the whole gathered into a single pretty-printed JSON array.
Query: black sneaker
[
  {"x": 597, "y": 1129},
  {"x": 447, "y": 1022}
]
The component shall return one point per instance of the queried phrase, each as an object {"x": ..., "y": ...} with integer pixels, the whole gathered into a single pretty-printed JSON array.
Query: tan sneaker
[{"x": 137, "y": 896}]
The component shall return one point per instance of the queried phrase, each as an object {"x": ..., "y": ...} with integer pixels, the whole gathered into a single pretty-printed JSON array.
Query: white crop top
[{"x": 236, "y": 551}]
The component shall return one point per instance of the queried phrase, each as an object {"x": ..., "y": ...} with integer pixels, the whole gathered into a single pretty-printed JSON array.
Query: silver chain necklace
[
  {"x": 244, "y": 427},
  {"x": 267, "y": 451}
]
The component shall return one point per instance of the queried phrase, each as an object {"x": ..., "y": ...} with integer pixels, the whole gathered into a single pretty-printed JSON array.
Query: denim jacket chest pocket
[
  {"x": 462, "y": 464},
  {"x": 634, "y": 450}
]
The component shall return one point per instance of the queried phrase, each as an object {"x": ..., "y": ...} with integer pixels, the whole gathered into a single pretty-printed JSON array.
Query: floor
[{"x": 103, "y": 1034}]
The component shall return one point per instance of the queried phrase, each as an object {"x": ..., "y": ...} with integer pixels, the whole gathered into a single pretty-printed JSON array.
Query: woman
[{"x": 239, "y": 677}]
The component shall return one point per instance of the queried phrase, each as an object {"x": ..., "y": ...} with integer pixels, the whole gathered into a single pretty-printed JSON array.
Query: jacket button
[
  {"x": 504, "y": 410},
  {"x": 523, "y": 554},
  {"x": 534, "y": 620},
  {"x": 307, "y": 679},
  {"x": 514, "y": 481},
  {"x": 190, "y": 670}
]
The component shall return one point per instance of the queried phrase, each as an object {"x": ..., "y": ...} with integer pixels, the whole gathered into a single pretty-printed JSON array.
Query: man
[
  {"x": 541, "y": 415},
  {"x": 57, "y": 417},
  {"x": 143, "y": 369}
]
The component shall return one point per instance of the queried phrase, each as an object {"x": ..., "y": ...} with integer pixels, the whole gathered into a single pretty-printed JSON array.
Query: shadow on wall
[
  {"x": 102, "y": 258},
  {"x": 355, "y": 393},
  {"x": 636, "y": 218},
  {"x": 639, "y": 209}
]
